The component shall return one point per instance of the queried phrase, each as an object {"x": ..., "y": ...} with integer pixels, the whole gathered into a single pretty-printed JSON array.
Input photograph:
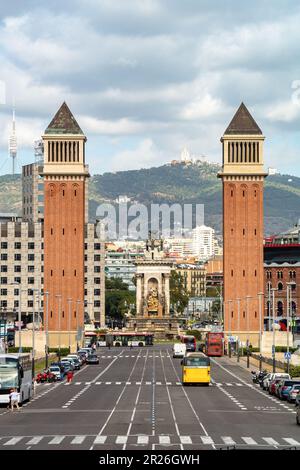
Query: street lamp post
[
  {"x": 16, "y": 283},
  {"x": 273, "y": 289},
  {"x": 248, "y": 297},
  {"x": 238, "y": 345},
  {"x": 69, "y": 323},
  {"x": 59, "y": 324},
  {"x": 229, "y": 324},
  {"x": 47, "y": 328},
  {"x": 260, "y": 295},
  {"x": 77, "y": 323}
]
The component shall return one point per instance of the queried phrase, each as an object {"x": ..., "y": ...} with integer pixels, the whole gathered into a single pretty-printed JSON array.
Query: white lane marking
[
  {"x": 249, "y": 441},
  {"x": 118, "y": 383},
  {"x": 143, "y": 439},
  {"x": 77, "y": 383},
  {"x": 128, "y": 383},
  {"x": 164, "y": 439},
  {"x": 270, "y": 441},
  {"x": 78, "y": 440},
  {"x": 229, "y": 385},
  {"x": 100, "y": 440},
  {"x": 117, "y": 402},
  {"x": 228, "y": 440},
  {"x": 136, "y": 402},
  {"x": 148, "y": 383},
  {"x": 170, "y": 402},
  {"x": 121, "y": 440},
  {"x": 206, "y": 440},
  {"x": 98, "y": 383},
  {"x": 291, "y": 441},
  {"x": 57, "y": 440},
  {"x": 88, "y": 383},
  {"x": 185, "y": 440},
  {"x": 239, "y": 384},
  {"x": 34, "y": 440},
  {"x": 168, "y": 383},
  {"x": 138, "y": 383},
  {"x": 93, "y": 381},
  {"x": 107, "y": 383},
  {"x": 158, "y": 383},
  {"x": 190, "y": 403},
  {"x": 13, "y": 441}
]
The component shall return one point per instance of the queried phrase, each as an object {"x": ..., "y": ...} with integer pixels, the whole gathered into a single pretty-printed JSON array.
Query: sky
[{"x": 146, "y": 78}]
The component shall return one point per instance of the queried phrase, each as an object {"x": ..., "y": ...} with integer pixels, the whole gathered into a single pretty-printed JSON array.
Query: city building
[
  {"x": 121, "y": 264},
  {"x": 243, "y": 179},
  {"x": 203, "y": 242},
  {"x": 32, "y": 192},
  {"x": 22, "y": 264},
  {"x": 178, "y": 248},
  {"x": 193, "y": 277}
]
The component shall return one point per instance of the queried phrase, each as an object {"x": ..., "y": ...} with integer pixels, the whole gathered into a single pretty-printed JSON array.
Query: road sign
[{"x": 287, "y": 355}]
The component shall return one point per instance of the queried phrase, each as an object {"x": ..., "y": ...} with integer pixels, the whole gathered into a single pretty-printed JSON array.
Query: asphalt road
[{"x": 134, "y": 400}]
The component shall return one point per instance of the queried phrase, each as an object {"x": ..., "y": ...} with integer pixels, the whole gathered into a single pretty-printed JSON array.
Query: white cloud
[{"x": 144, "y": 155}]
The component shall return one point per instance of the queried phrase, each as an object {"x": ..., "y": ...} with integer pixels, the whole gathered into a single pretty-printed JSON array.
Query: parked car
[
  {"x": 92, "y": 359},
  {"x": 82, "y": 355},
  {"x": 61, "y": 366},
  {"x": 77, "y": 357},
  {"x": 272, "y": 376},
  {"x": 68, "y": 362},
  {"x": 284, "y": 388},
  {"x": 56, "y": 371},
  {"x": 273, "y": 386},
  {"x": 295, "y": 390},
  {"x": 298, "y": 409}
]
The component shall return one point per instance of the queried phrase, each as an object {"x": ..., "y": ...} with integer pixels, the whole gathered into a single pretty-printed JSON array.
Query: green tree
[
  {"x": 118, "y": 298},
  {"x": 179, "y": 297}
]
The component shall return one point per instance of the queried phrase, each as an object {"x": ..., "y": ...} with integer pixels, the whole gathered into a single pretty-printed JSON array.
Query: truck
[{"x": 214, "y": 344}]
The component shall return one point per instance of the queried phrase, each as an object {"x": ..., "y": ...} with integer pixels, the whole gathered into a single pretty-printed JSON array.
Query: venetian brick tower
[
  {"x": 64, "y": 220},
  {"x": 243, "y": 179}
]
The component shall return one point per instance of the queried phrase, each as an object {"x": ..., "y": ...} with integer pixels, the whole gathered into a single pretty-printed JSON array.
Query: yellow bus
[{"x": 195, "y": 369}]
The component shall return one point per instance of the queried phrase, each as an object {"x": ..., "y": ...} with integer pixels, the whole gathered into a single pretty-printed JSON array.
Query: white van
[{"x": 179, "y": 350}]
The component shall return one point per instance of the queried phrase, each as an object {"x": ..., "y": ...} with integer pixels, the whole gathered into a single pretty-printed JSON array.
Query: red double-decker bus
[{"x": 214, "y": 344}]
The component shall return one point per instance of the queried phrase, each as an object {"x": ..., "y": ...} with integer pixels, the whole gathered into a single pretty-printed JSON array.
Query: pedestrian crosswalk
[
  {"x": 157, "y": 382},
  {"x": 192, "y": 441}
]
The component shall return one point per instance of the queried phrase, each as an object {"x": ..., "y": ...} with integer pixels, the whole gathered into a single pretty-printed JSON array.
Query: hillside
[{"x": 181, "y": 184}]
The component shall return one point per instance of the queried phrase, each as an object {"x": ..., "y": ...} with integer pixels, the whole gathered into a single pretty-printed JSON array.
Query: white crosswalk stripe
[
  {"x": 185, "y": 440},
  {"x": 270, "y": 441},
  {"x": 34, "y": 440},
  {"x": 206, "y": 440},
  {"x": 228, "y": 440},
  {"x": 13, "y": 441},
  {"x": 56, "y": 440},
  {"x": 143, "y": 439},
  {"x": 164, "y": 439},
  {"x": 291, "y": 441},
  {"x": 100, "y": 440},
  {"x": 78, "y": 440},
  {"x": 249, "y": 441}
]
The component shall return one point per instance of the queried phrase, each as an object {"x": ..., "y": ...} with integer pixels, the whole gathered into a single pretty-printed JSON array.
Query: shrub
[
  {"x": 16, "y": 350},
  {"x": 284, "y": 349},
  {"x": 294, "y": 370},
  {"x": 63, "y": 351},
  {"x": 195, "y": 333}
]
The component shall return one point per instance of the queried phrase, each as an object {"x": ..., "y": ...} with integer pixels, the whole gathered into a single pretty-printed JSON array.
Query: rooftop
[
  {"x": 64, "y": 122},
  {"x": 243, "y": 123}
]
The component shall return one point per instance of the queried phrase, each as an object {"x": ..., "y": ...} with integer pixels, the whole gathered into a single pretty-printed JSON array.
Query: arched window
[
  {"x": 280, "y": 286},
  {"x": 279, "y": 308}
]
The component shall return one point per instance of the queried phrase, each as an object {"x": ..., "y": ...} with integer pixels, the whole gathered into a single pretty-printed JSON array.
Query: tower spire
[{"x": 13, "y": 147}]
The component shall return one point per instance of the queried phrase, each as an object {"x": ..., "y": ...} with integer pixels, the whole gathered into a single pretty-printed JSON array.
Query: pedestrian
[
  {"x": 14, "y": 399},
  {"x": 9, "y": 399},
  {"x": 94, "y": 346},
  {"x": 69, "y": 376}
]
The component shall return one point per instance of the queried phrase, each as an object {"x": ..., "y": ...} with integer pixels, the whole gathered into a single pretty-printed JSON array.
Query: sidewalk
[{"x": 254, "y": 364}]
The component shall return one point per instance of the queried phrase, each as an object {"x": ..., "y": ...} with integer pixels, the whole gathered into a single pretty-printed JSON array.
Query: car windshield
[
  {"x": 8, "y": 377},
  {"x": 197, "y": 361},
  {"x": 55, "y": 369},
  {"x": 288, "y": 383}
]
